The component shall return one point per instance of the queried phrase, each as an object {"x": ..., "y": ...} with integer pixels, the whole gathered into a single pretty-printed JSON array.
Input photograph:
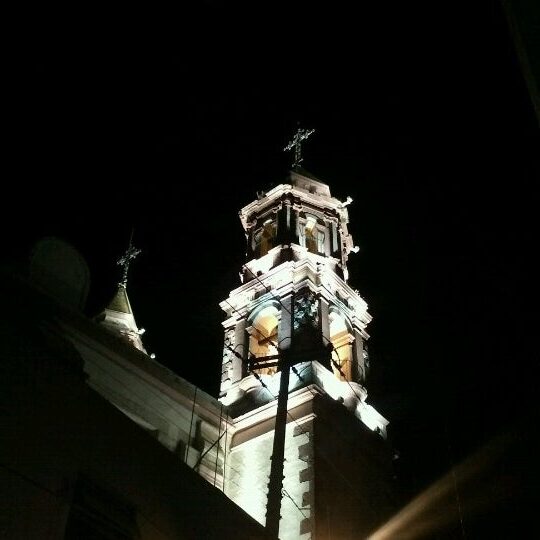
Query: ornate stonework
[{"x": 306, "y": 311}]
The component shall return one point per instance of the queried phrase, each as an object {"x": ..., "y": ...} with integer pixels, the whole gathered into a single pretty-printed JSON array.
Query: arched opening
[
  {"x": 311, "y": 234},
  {"x": 341, "y": 341},
  {"x": 310, "y": 231},
  {"x": 265, "y": 238},
  {"x": 263, "y": 337}
]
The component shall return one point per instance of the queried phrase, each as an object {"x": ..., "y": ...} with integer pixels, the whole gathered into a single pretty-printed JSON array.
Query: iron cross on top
[
  {"x": 299, "y": 136},
  {"x": 125, "y": 261}
]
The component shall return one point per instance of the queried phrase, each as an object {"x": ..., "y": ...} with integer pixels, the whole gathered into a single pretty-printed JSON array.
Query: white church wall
[
  {"x": 182, "y": 428},
  {"x": 247, "y": 471}
]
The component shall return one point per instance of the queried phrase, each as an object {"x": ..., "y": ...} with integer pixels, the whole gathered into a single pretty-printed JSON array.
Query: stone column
[
  {"x": 359, "y": 371},
  {"x": 334, "y": 250},
  {"x": 240, "y": 346},
  {"x": 288, "y": 219},
  {"x": 296, "y": 209},
  {"x": 250, "y": 230}
]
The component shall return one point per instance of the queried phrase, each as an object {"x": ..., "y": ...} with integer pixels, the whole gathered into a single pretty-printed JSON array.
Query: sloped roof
[{"x": 120, "y": 301}]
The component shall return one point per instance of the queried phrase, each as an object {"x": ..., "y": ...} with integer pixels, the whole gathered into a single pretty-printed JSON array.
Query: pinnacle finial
[
  {"x": 126, "y": 258},
  {"x": 296, "y": 143}
]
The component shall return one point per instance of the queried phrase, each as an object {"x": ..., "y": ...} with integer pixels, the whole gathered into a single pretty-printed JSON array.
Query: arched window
[
  {"x": 263, "y": 336},
  {"x": 341, "y": 341}
]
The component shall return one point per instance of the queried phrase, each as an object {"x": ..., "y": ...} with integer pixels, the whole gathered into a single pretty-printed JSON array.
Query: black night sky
[{"x": 421, "y": 115}]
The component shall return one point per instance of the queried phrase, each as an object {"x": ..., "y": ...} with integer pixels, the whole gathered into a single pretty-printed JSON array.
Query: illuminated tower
[{"x": 295, "y": 311}]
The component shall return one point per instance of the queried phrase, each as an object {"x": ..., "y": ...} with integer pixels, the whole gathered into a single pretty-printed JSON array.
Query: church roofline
[
  {"x": 77, "y": 326},
  {"x": 98, "y": 338}
]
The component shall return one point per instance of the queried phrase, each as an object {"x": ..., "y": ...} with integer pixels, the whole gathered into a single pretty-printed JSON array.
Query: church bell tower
[{"x": 295, "y": 348}]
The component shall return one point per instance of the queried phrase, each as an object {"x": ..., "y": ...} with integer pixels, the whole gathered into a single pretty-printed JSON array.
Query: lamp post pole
[{"x": 275, "y": 484}]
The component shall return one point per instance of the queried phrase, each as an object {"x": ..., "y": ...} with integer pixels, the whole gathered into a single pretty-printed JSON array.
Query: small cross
[
  {"x": 125, "y": 261},
  {"x": 299, "y": 136}
]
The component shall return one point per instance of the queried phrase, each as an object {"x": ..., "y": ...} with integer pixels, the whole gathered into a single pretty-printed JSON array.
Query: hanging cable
[
  {"x": 275, "y": 345},
  {"x": 188, "y": 446},
  {"x": 218, "y": 439},
  {"x": 201, "y": 457},
  {"x": 268, "y": 289},
  {"x": 338, "y": 367},
  {"x": 225, "y": 450},
  {"x": 286, "y": 494},
  {"x": 227, "y": 465}
]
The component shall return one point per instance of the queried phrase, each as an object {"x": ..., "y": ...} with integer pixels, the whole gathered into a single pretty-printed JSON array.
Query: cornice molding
[{"x": 276, "y": 193}]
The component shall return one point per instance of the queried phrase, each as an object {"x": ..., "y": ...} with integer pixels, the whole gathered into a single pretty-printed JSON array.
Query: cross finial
[
  {"x": 299, "y": 136},
  {"x": 126, "y": 258}
]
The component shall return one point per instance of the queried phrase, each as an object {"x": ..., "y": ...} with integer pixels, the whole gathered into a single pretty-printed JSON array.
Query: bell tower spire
[
  {"x": 295, "y": 284},
  {"x": 118, "y": 316},
  {"x": 295, "y": 346}
]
